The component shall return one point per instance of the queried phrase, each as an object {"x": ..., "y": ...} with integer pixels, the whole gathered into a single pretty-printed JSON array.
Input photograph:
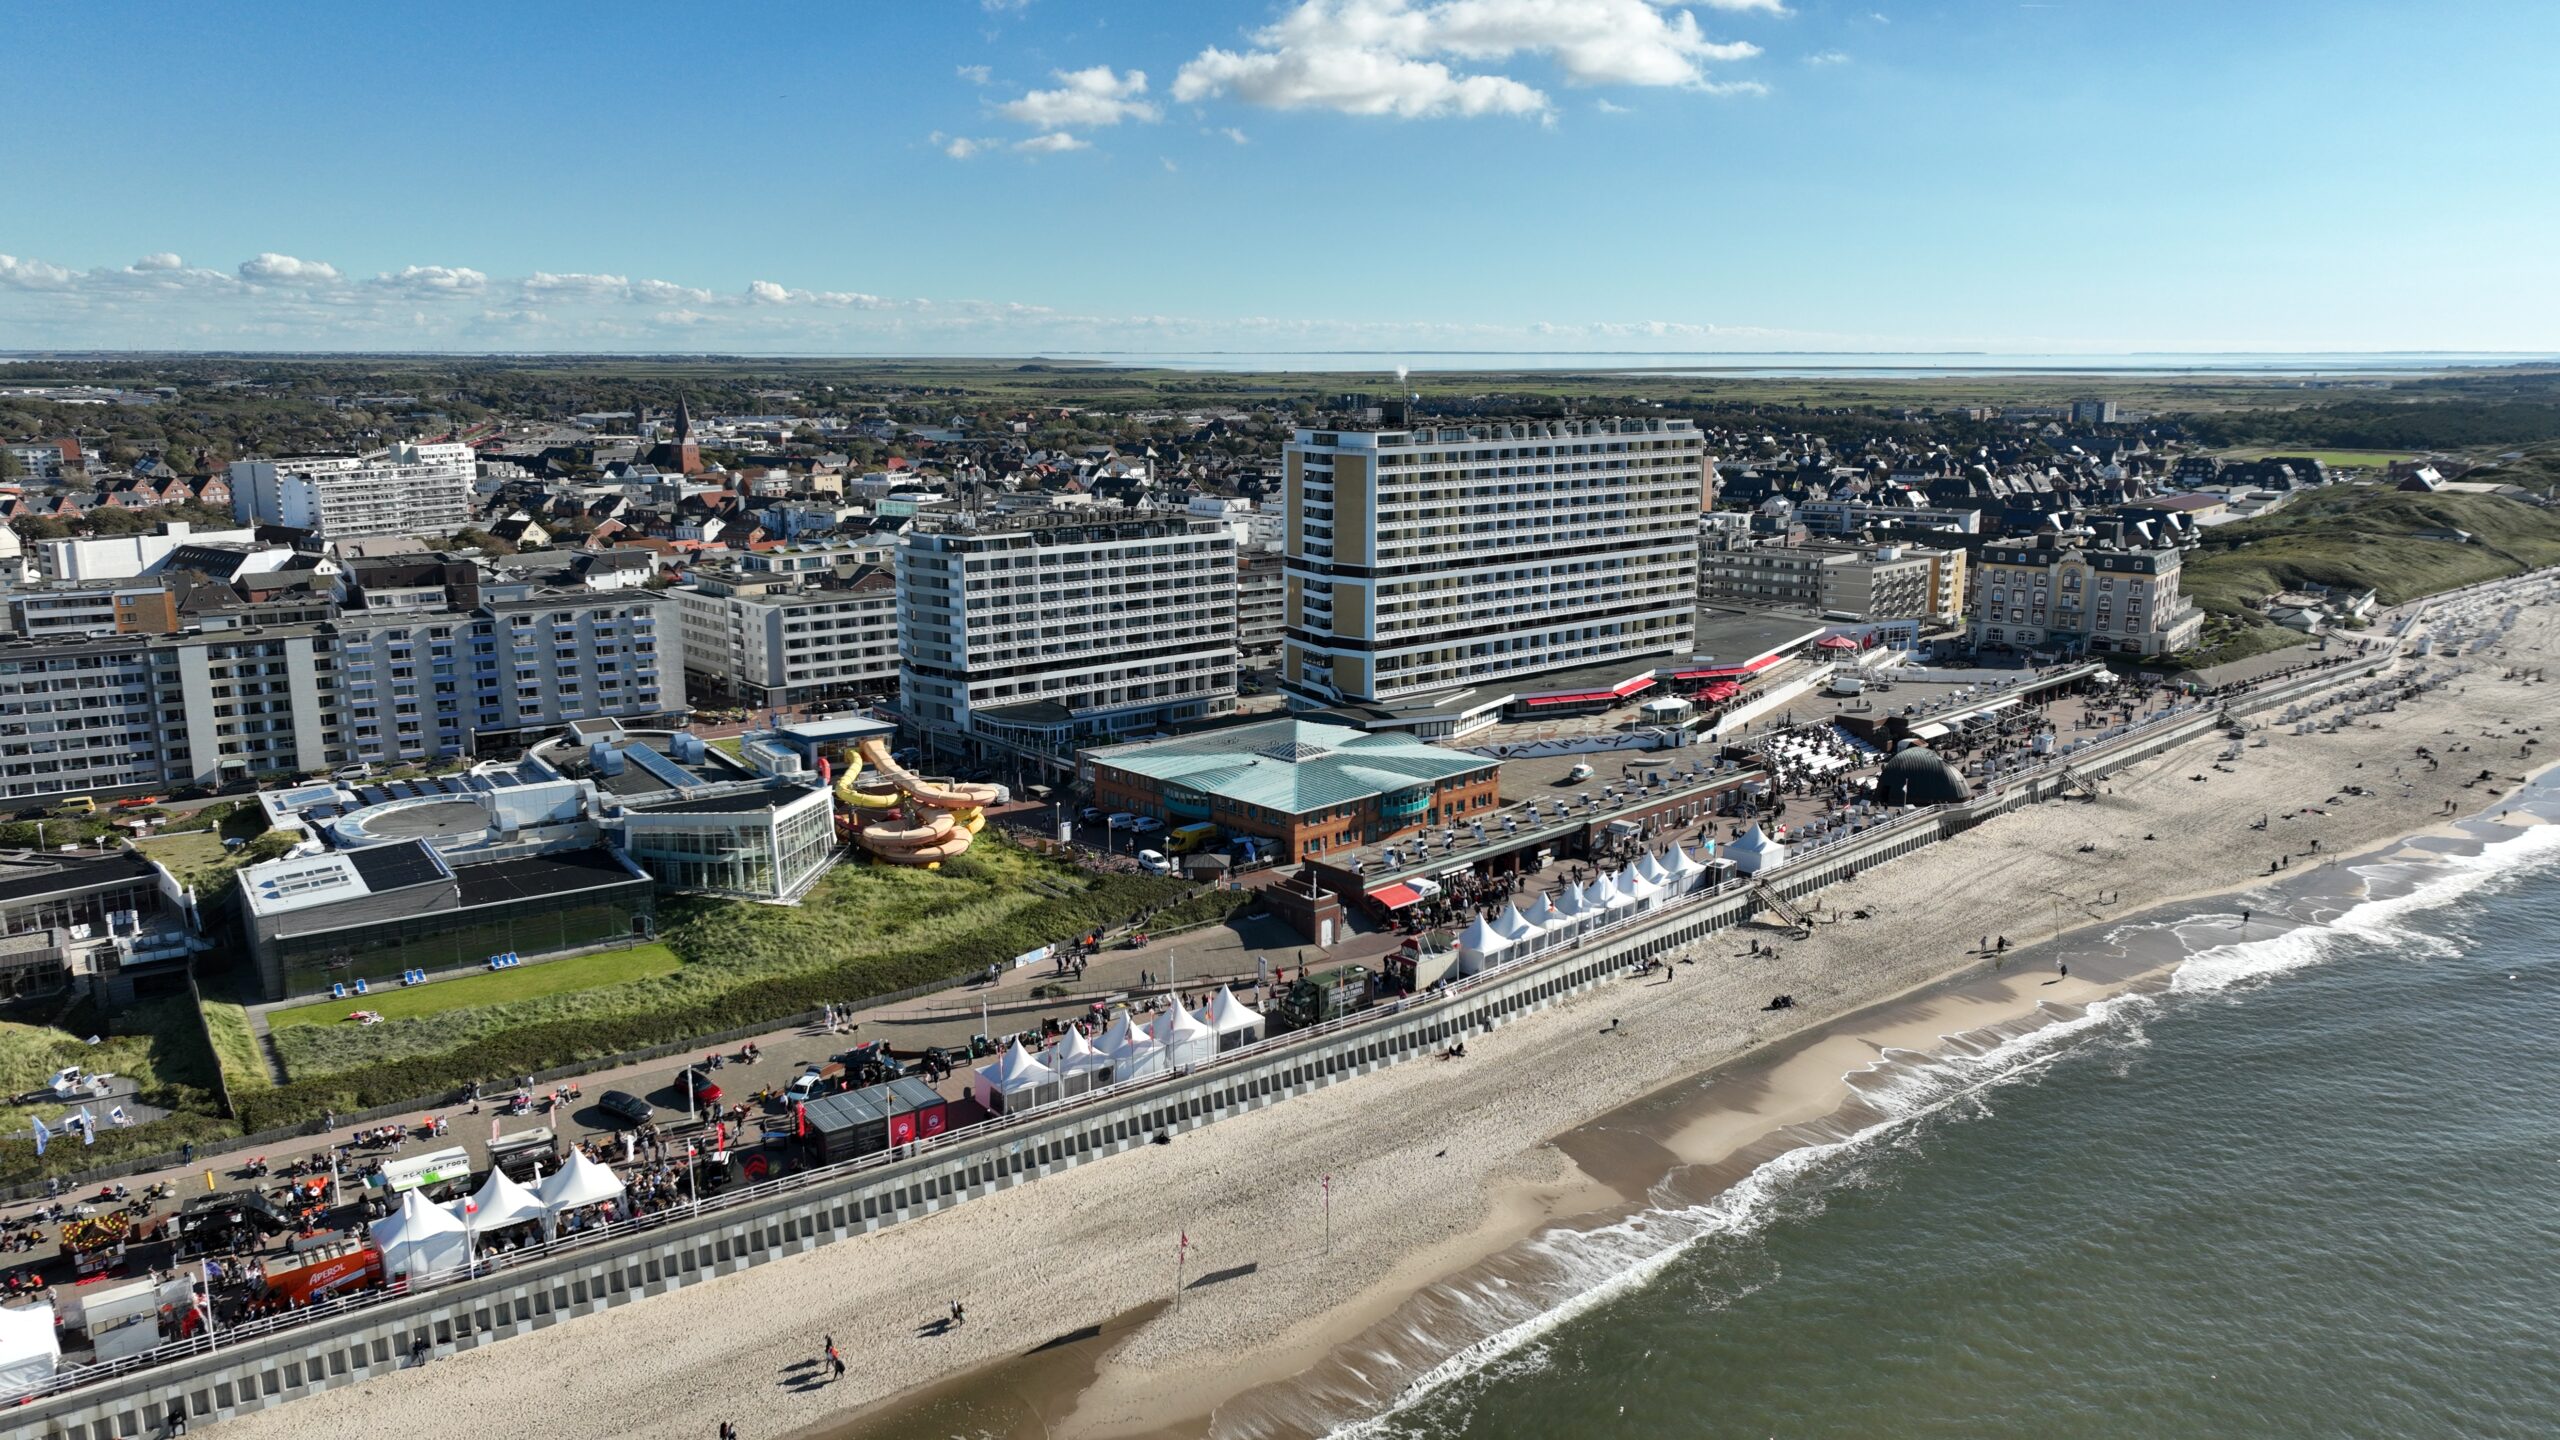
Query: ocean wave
[
  {"x": 2436, "y": 882},
  {"x": 1594, "y": 1266}
]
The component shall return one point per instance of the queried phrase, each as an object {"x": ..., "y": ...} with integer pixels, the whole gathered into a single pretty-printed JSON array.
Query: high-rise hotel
[{"x": 1444, "y": 565}]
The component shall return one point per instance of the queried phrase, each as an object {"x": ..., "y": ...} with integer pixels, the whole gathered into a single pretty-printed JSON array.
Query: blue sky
[{"x": 1026, "y": 176}]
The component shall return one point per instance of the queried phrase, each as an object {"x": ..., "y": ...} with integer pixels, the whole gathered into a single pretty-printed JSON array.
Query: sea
[
  {"x": 1843, "y": 364},
  {"x": 2305, "y": 1187}
]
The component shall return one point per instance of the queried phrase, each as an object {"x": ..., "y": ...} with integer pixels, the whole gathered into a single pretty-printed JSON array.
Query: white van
[{"x": 434, "y": 1172}]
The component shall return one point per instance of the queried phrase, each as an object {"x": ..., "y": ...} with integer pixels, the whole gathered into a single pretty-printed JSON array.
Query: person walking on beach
[{"x": 2244, "y": 919}]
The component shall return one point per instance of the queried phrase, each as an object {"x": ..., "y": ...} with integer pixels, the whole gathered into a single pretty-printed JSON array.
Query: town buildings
[
  {"x": 1870, "y": 582},
  {"x": 409, "y": 489},
  {"x": 771, "y": 630},
  {"x": 1432, "y": 559},
  {"x": 2099, "y": 593},
  {"x": 1026, "y": 636}
]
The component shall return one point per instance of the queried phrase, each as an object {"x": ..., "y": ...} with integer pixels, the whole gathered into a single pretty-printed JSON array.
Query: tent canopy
[
  {"x": 1514, "y": 925},
  {"x": 1227, "y": 1014},
  {"x": 1017, "y": 1070},
  {"x": 1074, "y": 1054},
  {"x": 1483, "y": 939},
  {"x": 500, "y": 1202},
  {"x": 420, "y": 1238},
  {"x": 30, "y": 1351},
  {"x": 579, "y": 1182},
  {"x": 1185, "y": 1040}
]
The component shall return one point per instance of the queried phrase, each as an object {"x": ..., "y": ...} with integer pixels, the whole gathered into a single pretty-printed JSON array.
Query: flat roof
[
  {"x": 1731, "y": 636},
  {"x": 1290, "y": 765},
  {"x": 532, "y": 876},
  {"x": 26, "y": 875}
]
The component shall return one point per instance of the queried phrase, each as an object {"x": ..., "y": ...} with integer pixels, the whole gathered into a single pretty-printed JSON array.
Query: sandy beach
[{"x": 1436, "y": 1166}]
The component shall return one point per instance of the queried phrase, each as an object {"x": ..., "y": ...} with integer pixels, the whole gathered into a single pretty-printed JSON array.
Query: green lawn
[
  {"x": 185, "y": 852},
  {"x": 496, "y": 987},
  {"x": 864, "y": 930},
  {"x": 235, "y": 1047}
]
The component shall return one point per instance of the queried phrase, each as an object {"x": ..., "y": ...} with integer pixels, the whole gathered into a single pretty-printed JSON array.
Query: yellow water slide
[{"x": 934, "y": 839}]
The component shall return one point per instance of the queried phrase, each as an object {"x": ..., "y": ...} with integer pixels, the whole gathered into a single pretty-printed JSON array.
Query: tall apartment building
[
  {"x": 2095, "y": 594},
  {"x": 409, "y": 489},
  {"x": 1029, "y": 635},
  {"x": 1261, "y": 602},
  {"x": 770, "y": 637},
  {"x": 1431, "y": 559}
]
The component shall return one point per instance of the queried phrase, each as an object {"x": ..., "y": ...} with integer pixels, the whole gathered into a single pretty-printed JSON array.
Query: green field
[
  {"x": 2334, "y": 459},
  {"x": 496, "y": 987},
  {"x": 865, "y": 930}
]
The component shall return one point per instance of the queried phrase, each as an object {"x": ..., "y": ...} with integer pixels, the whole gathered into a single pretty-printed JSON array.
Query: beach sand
[{"x": 1438, "y": 1165}]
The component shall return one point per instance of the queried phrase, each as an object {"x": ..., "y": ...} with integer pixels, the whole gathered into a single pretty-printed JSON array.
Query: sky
[{"x": 1023, "y": 177}]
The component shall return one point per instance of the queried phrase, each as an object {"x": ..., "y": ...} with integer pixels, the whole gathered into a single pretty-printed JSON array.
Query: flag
[
  {"x": 42, "y": 1135},
  {"x": 88, "y": 1128},
  {"x": 470, "y": 1206}
]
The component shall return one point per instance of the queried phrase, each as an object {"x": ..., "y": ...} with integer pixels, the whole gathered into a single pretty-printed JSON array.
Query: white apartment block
[
  {"x": 1439, "y": 558},
  {"x": 122, "y": 557},
  {"x": 409, "y": 489},
  {"x": 1032, "y": 634},
  {"x": 767, "y": 639}
]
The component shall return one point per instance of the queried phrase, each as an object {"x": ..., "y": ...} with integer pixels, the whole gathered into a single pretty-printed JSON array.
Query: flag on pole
[
  {"x": 42, "y": 1135},
  {"x": 88, "y": 1127}
]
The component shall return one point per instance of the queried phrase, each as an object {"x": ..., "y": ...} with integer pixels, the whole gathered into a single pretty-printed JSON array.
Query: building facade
[
  {"x": 409, "y": 489},
  {"x": 1030, "y": 635},
  {"x": 1428, "y": 560},
  {"x": 1261, "y": 603},
  {"x": 2095, "y": 596},
  {"x": 767, "y": 639}
]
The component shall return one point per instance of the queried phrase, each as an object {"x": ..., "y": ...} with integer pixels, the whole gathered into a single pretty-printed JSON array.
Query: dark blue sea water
[{"x": 2312, "y": 1190}]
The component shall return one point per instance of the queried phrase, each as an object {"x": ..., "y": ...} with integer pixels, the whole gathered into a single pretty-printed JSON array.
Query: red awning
[
  {"x": 1839, "y": 642},
  {"x": 1631, "y": 687},
  {"x": 1396, "y": 897},
  {"x": 1585, "y": 697}
]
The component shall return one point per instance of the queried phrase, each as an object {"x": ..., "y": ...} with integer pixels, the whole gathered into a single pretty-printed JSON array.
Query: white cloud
[
  {"x": 273, "y": 269},
  {"x": 1828, "y": 57},
  {"x": 1765, "y": 7},
  {"x": 160, "y": 260},
  {"x": 667, "y": 292},
  {"x": 1610, "y": 107},
  {"x": 435, "y": 279},
  {"x": 998, "y": 7},
  {"x": 1055, "y": 143},
  {"x": 975, "y": 74},
  {"x": 1393, "y": 57},
  {"x": 20, "y": 274},
  {"x": 1090, "y": 97},
  {"x": 1236, "y": 135},
  {"x": 1169, "y": 167},
  {"x": 767, "y": 292},
  {"x": 961, "y": 147}
]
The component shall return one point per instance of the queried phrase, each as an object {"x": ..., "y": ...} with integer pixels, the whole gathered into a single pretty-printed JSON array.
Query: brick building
[{"x": 1303, "y": 788}]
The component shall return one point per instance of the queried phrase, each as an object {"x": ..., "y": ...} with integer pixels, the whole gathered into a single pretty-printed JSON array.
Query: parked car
[
  {"x": 1154, "y": 863},
  {"x": 804, "y": 1086},
  {"x": 1145, "y": 823},
  {"x": 625, "y": 1106},
  {"x": 704, "y": 1092},
  {"x": 1122, "y": 820}
]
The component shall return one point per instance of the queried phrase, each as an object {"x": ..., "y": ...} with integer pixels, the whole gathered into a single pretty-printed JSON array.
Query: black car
[{"x": 623, "y": 1105}]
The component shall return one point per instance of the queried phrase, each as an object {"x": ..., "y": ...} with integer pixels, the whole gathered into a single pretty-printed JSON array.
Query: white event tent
[
  {"x": 420, "y": 1239},
  {"x": 1186, "y": 1041},
  {"x": 1080, "y": 1067},
  {"x": 1480, "y": 947},
  {"x": 1015, "y": 1081},
  {"x": 1231, "y": 1020},
  {"x": 1134, "y": 1053},
  {"x": 499, "y": 1203},
  {"x": 1755, "y": 852},
  {"x": 580, "y": 1182},
  {"x": 30, "y": 1350}
]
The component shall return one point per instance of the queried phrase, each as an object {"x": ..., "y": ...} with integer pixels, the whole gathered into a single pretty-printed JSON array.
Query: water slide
[{"x": 946, "y": 816}]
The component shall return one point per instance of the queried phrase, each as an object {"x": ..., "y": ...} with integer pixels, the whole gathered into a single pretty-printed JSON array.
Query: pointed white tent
[
  {"x": 1650, "y": 870},
  {"x": 1072, "y": 1054},
  {"x": 1231, "y": 1020},
  {"x": 1633, "y": 889},
  {"x": 1185, "y": 1040},
  {"x": 1519, "y": 929},
  {"x": 1014, "y": 1081},
  {"x": 1685, "y": 870},
  {"x": 500, "y": 1202},
  {"x": 1480, "y": 946},
  {"x": 420, "y": 1239},
  {"x": 1134, "y": 1053},
  {"x": 30, "y": 1348},
  {"x": 579, "y": 1182},
  {"x": 1755, "y": 852},
  {"x": 1598, "y": 895}
]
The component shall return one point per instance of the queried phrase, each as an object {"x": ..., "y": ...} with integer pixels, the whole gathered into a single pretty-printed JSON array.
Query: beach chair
[
  {"x": 360, "y": 987},
  {"x": 337, "y": 990}
]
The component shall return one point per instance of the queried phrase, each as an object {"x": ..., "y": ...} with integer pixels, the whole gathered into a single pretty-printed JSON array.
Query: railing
[{"x": 1441, "y": 997}]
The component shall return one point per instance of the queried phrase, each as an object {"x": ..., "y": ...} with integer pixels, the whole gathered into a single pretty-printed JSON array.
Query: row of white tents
[
  {"x": 1176, "y": 1039},
  {"x": 1649, "y": 883},
  {"x": 423, "y": 1238}
]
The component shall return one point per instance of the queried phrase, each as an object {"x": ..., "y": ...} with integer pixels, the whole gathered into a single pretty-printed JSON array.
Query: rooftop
[
  {"x": 533, "y": 876},
  {"x": 24, "y": 875},
  {"x": 1291, "y": 766}
]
